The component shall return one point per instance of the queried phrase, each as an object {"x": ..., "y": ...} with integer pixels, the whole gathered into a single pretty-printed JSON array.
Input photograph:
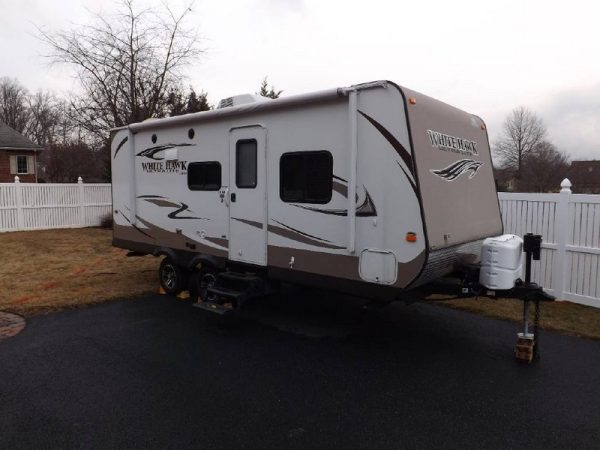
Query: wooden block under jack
[
  {"x": 524, "y": 349},
  {"x": 183, "y": 295}
]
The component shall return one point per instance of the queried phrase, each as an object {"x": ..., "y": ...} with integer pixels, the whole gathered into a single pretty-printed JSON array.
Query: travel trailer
[{"x": 372, "y": 189}]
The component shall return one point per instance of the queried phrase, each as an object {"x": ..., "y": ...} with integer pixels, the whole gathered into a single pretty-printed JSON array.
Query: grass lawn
[{"x": 44, "y": 271}]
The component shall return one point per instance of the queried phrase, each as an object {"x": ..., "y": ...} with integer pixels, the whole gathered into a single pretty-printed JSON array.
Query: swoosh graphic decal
[
  {"x": 252, "y": 223},
  {"x": 456, "y": 169},
  {"x": 125, "y": 139},
  {"x": 412, "y": 184},
  {"x": 151, "y": 151},
  {"x": 163, "y": 202},
  {"x": 404, "y": 154},
  {"x": 184, "y": 207},
  {"x": 298, "y": 236},
  {"x": 365, "y": 209}
]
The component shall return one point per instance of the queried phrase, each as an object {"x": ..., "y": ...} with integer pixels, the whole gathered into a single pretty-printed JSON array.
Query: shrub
[{"x": 106, "y": 221}]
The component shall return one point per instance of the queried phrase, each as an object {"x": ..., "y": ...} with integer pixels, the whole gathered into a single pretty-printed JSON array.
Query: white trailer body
[{"x": 371, "y": 189}]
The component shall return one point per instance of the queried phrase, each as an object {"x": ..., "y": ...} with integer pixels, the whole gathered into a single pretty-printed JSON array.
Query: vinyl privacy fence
[
  {"x": 31, "y": 206},
  {"x": 569, "y": 223}
]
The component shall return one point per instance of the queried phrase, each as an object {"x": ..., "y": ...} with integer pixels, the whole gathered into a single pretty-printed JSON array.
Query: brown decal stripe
[
  {"x": 340, "y": 188},
  {"x": 162, "y": 203},
  {"x": 412, "y": 184},
  {"x": 252, "y": 223},
  {"x": 336, "y": 265},
  {"x": 120, "y": 145},
  {"x": 177, "y": 240},
  {"x": 135, "y": 227},
  {"x": 298, "y": 236},
  {"x": 404, "y": 154},
  {"x": 221, "y": 242}
]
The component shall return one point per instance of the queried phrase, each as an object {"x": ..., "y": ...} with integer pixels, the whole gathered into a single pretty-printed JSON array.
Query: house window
[
  {"x": 204, "y": 176},
  {"x": 245, "y": 164},
  {"x": 306, "y": 177},
  {"x": 22, "y": 167}
]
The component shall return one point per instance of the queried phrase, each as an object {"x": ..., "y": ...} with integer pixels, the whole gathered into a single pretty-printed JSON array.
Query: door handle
[
  {"x": 224, "y": 194},
  {"x": 233, "y": 197}
]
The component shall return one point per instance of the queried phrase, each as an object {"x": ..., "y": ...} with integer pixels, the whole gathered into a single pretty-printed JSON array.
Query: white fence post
[
  {"x": 19, "y": 203},
  {"x": 81, "y": 200},
  {"x": 561, "y": 230}
]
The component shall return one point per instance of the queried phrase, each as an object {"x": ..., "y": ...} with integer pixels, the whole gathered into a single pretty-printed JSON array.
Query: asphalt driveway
[{"x": 303, "y": 371}]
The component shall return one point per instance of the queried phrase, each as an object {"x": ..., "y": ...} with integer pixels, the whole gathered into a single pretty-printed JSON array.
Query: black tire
[
  {"x": 200, "y": 281},
  {"x": 172, "y": 278}
]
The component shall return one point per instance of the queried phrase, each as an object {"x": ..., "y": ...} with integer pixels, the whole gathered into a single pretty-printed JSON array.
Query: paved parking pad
[{"x": 307, "y": 370}]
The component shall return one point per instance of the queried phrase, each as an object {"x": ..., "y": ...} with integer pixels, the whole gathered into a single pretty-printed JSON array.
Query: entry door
[{"x": 248, "y": 195}]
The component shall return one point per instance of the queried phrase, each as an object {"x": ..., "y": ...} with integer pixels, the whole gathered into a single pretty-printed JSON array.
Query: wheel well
[
  {"x": 166, "y": 252},
  {"x": 206, "y": 260}
]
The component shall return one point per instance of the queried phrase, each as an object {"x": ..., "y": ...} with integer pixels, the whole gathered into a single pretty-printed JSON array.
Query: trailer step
[
  {"x": 242, "y": 282},
  {"x": 214, "y": 307},
  {"x": 223, "y": 292}
]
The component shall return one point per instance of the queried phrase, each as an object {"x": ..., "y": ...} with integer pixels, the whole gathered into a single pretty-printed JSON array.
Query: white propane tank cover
[{"x": 501, "y": 261}]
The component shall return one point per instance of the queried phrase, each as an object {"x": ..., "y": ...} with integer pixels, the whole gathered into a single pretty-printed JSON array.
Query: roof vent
[{"x": 243, "y": 99}]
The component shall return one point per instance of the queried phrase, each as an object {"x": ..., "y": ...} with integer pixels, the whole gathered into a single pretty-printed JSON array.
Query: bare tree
[
  {"x": 523, "y": 130},
  {"x": 45, "y": 117},
  {"x": 14, "y": 110},
  {"x": 265, "y": 91},
  {"x": 543, "y": 169},
  {"x": 127, "y": 63},
  {"x": 63, "y": 163}
]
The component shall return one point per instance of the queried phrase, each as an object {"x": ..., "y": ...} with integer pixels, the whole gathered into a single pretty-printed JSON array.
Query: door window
[{"x": 245, "y": 164}]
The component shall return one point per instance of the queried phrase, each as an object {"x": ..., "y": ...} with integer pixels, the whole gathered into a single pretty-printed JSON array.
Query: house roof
[
  {"x": 12, "y": 139},
  {"x": 584, "y": 172}
]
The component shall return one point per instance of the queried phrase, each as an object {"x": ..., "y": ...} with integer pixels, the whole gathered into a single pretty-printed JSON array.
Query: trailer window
[
  {"x": 245, "y": 164},
  {"x": 204, "y": 176},
  {"x": 306, "y": 177}
]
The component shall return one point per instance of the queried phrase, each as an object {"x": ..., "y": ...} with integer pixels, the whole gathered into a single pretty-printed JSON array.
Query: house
[
  {"x": 585, "y": 176},
  {"x": 18, "y": 156}
]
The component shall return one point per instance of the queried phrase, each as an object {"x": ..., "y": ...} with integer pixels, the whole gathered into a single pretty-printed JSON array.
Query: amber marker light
[
  {"x": 412, "y": 100},
  {"x": 411, "y": 237}
]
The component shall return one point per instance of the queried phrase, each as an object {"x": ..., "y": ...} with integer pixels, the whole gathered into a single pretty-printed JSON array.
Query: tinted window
[
  {"x": 245, "y": 164},
  {"x": 204, "y": 176},
  {"x": 306, "y": 177}
]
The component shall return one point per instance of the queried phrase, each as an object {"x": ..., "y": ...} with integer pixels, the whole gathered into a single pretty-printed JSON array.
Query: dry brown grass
[
  {"x": 565, "y": 317},
  {"x": 43, "y": 271}
]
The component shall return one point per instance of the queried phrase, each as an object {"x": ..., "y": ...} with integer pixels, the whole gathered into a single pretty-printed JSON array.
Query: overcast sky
[{"x": 485, "y": 57}]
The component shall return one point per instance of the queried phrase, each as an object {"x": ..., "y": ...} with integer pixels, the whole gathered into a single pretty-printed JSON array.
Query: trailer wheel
[
  {"x": 172, "y": 277},
  {"x": 201, "y": 281}
]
